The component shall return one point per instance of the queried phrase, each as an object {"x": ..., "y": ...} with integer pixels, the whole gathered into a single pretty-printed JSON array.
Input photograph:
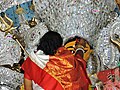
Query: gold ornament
[
  {"x": 19, "y": 10},
  {"x": 32, "y": 23},
  {"x": 32, "y": 7},
  {"x": 116, "y": 41},
  {"x": 6, "y": 24}
]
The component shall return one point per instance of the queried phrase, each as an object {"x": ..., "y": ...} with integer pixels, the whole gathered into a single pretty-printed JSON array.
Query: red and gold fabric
[{"x": 64, "y": 71}]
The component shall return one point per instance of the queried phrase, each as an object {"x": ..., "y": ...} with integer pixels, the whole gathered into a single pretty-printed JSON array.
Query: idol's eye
[{"x": 72, "y": 51}]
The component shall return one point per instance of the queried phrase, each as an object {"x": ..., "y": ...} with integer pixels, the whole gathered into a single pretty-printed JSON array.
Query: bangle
[{"x": 80, "y": 49}]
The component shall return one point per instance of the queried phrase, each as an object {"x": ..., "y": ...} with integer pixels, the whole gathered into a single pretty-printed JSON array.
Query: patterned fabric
[{"x": 110, "y": 79}]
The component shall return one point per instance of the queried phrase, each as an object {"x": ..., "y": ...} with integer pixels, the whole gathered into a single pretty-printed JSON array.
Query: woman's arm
[{"x": 27, "y": 84}]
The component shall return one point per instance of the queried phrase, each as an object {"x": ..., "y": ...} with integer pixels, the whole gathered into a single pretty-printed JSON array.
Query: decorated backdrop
[{"x": 95, "y": 20}]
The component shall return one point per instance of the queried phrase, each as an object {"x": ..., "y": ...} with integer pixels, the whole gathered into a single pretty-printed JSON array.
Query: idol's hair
[
  {"x": 74, "y": 38},
  {"x": 50, "y": 42},
  {"x": 71, "y": 39}
]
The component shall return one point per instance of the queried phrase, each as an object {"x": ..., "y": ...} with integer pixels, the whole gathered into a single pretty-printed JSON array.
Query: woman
[{"x": 53, "y": 67}]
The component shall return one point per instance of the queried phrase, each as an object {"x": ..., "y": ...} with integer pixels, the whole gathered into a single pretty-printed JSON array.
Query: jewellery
[
  {"x": 6, "y": 24},
  {"x": 115, "y": 40},
  {"x": 32, "y": 23},
  {"x": 80, "y": 49},
  {"x": 32, "y": 7},
  {"x": 19, "y": 10}
]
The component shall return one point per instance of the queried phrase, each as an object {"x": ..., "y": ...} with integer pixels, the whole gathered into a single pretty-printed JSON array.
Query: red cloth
[
  {"x": 64, "y": 71},
  {"x": 109, "y": 84},
  {"x": 41, "y": 77},
  {"x": 104, "y": 75}
]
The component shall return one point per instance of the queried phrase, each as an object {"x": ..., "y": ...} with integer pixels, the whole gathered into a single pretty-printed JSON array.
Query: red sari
[{"x": 64, "y": 71}]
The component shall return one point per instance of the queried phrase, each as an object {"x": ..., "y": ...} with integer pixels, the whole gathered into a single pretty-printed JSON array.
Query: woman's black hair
[{"x": 50, "y": 42}]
